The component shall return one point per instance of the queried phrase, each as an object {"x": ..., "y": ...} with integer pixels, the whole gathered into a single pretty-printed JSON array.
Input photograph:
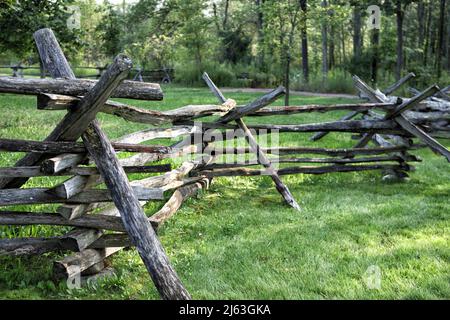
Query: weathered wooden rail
[
  {"x": 77, "y": 191},
  {"x": 98, "y": 197}
]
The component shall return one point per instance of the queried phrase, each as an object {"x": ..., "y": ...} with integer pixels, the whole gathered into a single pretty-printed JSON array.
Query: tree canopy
[{"x": 302, "y": 43}]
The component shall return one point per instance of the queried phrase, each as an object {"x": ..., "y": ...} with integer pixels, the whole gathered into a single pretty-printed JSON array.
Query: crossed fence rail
[{"x": 107, "y": 219}]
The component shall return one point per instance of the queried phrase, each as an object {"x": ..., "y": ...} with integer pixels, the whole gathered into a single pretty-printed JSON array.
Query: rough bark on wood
[
  {"x": 36, "y": 218},
  {"x": 324, "y": 151},
  {"x": 58, "y": 66},
  {"x": 392, "y": 158},
  {"x": 51, "y": 55},
  {"x": 141, "y": 233},
  {"x": 78, "y": 87},
  {"x": 391, "y": 89},
  {"x": 91, "y": 221},
  {"x": 60, "y": 102},
  {"x": 70, "y": 187},
  {"x": 76, "y": 121},
  {"x": 36, "y": 171},
  {"x": 55, "y": 147},
  {"x": 61, "y": 162},
  {"x": 10, "y": 197},
  {"x": 231, "y": 172},
  {"x": 71, "y": 266},
  {"x": 33, "y": 246},
  {"x": 176, "y": 200},
  {"x": 261, "y": 156},
  {"x": 319, "y": 135},
  {"x": 377, "y": 126},
  {"x": 239, "y": 112}
]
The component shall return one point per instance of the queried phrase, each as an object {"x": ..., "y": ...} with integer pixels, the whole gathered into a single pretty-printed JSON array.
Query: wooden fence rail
[{"x": 98, "y": 196}]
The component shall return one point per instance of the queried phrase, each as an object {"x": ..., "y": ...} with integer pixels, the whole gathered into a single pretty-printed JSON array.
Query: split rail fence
[{"x": 106, "y": 220}]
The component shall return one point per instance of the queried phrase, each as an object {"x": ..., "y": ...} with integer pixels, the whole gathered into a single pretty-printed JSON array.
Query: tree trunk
[
  {"x": 357, "y": 38},
  {"x": 260, "y": 26},
  {"x": 344, "y": 54},
  {"x": 421, "y": 21},
  {"x": 304, "y": 35},
  {"x": 225, "y": 15},
  {"x": 287, "y": 77},
  {"x": 440, "y": 46},
  {"x": 332, "y": 46},
  {"x": 447, "y": 38},
  {"x": 374, "y": 63},
  {"x": 400, "y": 15},
  {"x": 427, "y": 35},
  {"x": 324, "y": 44}
]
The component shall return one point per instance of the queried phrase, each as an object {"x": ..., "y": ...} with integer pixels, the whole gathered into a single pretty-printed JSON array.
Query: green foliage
[
  {"x": 236, "y": 45},
  {"x": 338, "y": 81},
  {"x": 111, "y": 31},
  {"x": 20, "y": 19},
  {"x": 261, "y": 39}
]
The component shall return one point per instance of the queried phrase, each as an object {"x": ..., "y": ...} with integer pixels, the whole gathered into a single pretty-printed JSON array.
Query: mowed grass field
[{"x": 238, "y": 240}]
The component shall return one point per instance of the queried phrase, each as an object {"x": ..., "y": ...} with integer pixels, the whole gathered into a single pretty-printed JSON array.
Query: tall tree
[
  {"x": 428, "y": 31},
  {"x": 260, "y": 32},
  {"x": 447, "y": 37},
  {"x": 230, "y": 29},
  {"x": 324, "y": 41},
  {"x": 111, "y": 31},
  {"x": 304, "y": 36},
  {"x": 292, "y": 9},
  {"x": 399, "y": 15},
  {"x": 421, "y": 22},
  {"x": 375, "y": 44},
  {"x": 344, "y": 53},
  {"x": 282, "y": 22},
  {"x": 332, "y": 47},
  {"x": 440, "y": 49},
  {"x": 357, "y": 35}
]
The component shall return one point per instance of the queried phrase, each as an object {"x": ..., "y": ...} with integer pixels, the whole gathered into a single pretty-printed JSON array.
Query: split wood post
[
  {"x": 55, "y": 147},
  {"x": 405, "y": 123},
  {"x": 390, "y": 90},
  {"x": 319, "y": 135},
  {"x": 83, "y": 114},
  {"x": 397, "y": 111},
  {"x": 77, "y": 120},
  {"x": 132, "y": 214},
  {"x": 55, "y": 61},
  {"x": 261, "y": 156},
  {"x": 17, "y": 172},
  {"x": 440, "y": 95},
  {"x": 78, "y": 87},
  {"x": 138, "y": 228}
]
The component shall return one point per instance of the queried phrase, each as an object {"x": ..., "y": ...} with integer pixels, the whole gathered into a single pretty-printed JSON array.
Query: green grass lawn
[{"x": 238, "y": 240}]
